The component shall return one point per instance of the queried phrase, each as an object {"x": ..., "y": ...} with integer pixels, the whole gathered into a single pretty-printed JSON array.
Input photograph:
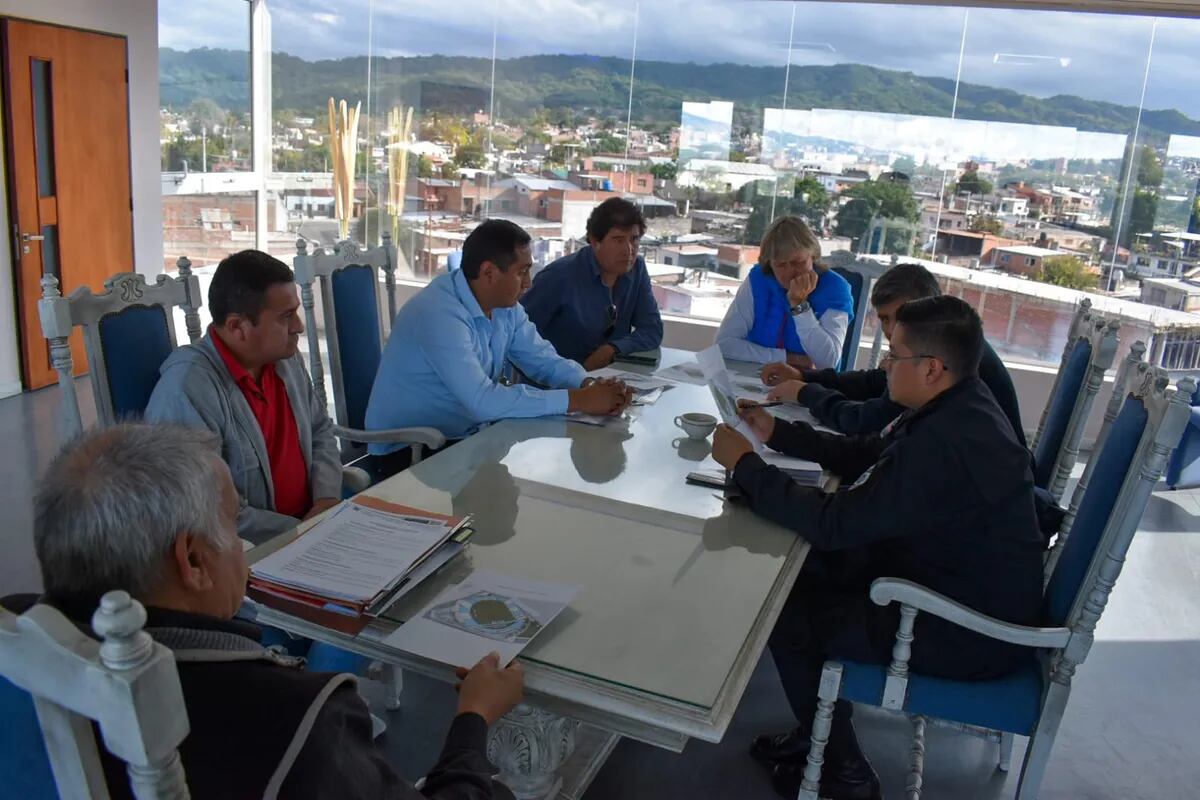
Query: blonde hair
[{"x": 787, "y": 235}]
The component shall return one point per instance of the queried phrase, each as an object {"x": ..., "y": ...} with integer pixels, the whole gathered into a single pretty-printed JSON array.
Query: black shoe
[
  {"x": 782, "y": 748},
  {"x": 853, "y": 779}
]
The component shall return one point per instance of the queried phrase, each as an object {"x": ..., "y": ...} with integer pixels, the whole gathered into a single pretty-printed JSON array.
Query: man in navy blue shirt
[{"x": 597, "y": 303}]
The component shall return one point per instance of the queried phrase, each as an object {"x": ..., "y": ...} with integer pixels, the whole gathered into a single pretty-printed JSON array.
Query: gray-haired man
[{"x": 152, "y": 510}]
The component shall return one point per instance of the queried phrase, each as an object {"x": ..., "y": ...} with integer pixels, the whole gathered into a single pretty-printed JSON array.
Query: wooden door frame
[{"x": 19, "y": 324}]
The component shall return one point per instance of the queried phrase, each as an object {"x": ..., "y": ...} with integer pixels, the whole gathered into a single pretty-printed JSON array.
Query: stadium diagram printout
[{"x": 488, "y": 611}]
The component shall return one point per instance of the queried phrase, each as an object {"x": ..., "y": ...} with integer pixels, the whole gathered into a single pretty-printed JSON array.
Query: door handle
[{"x": 29, "y": 237}]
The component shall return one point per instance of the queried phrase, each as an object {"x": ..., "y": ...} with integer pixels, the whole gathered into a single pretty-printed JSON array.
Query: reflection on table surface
[{"x": 672, "y": 576}]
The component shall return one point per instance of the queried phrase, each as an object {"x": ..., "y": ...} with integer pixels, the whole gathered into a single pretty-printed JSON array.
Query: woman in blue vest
[{"x": 791, "y": 308}]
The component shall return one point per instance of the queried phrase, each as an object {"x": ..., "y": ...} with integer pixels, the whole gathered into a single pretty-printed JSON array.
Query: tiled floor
[{"x": 1132, "y": 728}]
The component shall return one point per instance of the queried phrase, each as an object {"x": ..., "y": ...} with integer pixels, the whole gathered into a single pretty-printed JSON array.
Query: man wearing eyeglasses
[
  {"x": 942, "y": 497},
  {"x": 857, "y": 401},
  {"x": 597, "y": 303}
]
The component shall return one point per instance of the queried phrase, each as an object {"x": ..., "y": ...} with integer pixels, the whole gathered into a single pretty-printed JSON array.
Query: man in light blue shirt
[{"x": 451, "y": 343}]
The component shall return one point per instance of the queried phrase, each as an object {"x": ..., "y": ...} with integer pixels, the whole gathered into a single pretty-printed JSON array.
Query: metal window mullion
[{"x": 260, "y": 113}]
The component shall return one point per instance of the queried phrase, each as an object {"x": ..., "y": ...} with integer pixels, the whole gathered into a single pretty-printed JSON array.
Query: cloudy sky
[{"x": 1097, "y": 56}]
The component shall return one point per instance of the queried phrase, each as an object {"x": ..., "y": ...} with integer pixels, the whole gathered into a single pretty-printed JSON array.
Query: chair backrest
[
  {"x": 354, "y": 327},
  {"x": 1127, "y": 467},
  {"x": 1090, "y": 350},
  {"x": 850, "y": 345},
  {"x": 1130, "y": 375},
  {"x": 127, "y": 685},
  {"x": 859, "y": 273},
  {"x": 128, "y": 331}
]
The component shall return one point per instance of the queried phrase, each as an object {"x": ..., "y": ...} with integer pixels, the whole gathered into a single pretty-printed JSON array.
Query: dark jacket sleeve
[
  {"x": 834, "y": 409},
  {"x": 647, "y": 333},
  {"x": 844, "y": 456},
  {"x": 900, "y": 496},
  {"x": 340, "y": 759},
  {"x": 861, "y": 384},
  {"x": 993, "y": 373}
]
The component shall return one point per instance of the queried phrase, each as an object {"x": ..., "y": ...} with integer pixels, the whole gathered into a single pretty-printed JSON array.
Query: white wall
[{"x": 137, "y": 20}]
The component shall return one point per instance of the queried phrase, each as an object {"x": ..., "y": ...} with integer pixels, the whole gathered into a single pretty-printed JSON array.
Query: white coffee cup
[{"x": 696, "y": 425}]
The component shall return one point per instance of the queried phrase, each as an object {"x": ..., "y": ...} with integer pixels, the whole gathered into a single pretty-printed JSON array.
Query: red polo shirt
[{"x": 268, "y": 399}]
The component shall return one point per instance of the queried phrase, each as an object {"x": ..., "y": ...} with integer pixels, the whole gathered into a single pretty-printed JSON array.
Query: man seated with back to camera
[
  {"x": 151, "y": 510},
  {"x": 857, "y": 401},
  {"x": 942, "y": 497}
]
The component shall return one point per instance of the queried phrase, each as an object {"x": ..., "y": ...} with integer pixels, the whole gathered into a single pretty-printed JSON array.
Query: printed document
[
  {"x": 354, "y": 553},
  {"x": 486, "y": 612},
  {"x": 712, "y": 364}
]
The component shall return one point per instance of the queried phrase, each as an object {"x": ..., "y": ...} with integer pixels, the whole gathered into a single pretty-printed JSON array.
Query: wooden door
[{"x": 66, "y": 108}]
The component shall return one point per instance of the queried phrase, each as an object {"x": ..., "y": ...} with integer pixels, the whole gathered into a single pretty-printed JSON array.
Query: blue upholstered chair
[
  {"x": 1089, "y": 352},
  {"x": 55, "y": 681},
  {"x": 1031, "y": 701},
  {"x": 1184, "y": 470},
  {"x": 858, "y": 294},
  {"x": 128, "y": 331},
  {"x": 860, "y": 274},
  {"x": 1130, "y": 374},
  {"x": 355, "y": 334}
]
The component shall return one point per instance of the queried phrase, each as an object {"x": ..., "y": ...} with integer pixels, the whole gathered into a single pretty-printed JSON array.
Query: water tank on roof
[{"x": 606, "y": 185}]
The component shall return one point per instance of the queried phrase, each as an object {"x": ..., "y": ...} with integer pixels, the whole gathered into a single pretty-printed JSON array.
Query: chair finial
[
  {"x": 1137, "y": 349},
  {"x": 184, "y": 265},
  {"x": 301, "y": 247},
  {"x": 119, "y": 620},
  {"x": 50, "y": 286}
]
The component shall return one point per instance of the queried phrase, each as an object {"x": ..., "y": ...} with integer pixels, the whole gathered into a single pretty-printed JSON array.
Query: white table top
[{"x": 679, "y": 587}]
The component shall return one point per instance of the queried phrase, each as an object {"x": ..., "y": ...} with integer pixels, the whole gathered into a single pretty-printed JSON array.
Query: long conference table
[{"x": 680, "y": 588}]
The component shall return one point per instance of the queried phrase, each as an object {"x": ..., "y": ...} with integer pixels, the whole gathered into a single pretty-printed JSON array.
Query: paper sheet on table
[
  {"x": 488, "y": 611},
  {"x": 712, "y": 365},
  {"x": 683, "y": 373},
  {"x": 354, "y": 553},
  {"x": 647, "y": 388},
  {"x": 643, "y": 383},
  {"x": 796, "y": 413},
  {"x": 775, "y": 459}
]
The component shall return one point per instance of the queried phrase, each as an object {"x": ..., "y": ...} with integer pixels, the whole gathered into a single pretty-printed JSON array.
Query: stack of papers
[
  {"x": 800, "y": 470},
  {"x": 359, "y": 559}
]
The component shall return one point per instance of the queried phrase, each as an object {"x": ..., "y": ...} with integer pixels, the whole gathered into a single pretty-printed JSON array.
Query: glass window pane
[
  {"x": 204, "y": 85},
  {"x": 208, "y": 227},
  {"x": 43, "y": 126}
]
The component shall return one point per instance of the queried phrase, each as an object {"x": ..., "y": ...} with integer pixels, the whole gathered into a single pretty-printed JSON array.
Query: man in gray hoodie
[{"x": 246, "y": 382}]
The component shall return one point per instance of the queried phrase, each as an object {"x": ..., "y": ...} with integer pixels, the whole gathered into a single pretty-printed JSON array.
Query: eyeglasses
[
  {"x": 612, "y": 320},
  {"x": 890, "y": 357}
]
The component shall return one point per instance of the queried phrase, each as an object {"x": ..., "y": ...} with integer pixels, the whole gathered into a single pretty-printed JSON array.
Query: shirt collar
[
  {"x": 465, "y": 296},
  {"x": 240, "y": 374}
]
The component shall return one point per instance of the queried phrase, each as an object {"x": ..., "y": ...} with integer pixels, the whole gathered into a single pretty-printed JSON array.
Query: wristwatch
[{"x": 800, "y": 308}]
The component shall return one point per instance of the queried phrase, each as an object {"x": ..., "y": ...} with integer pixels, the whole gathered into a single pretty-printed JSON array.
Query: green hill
[{"x": 600, "y": 86}]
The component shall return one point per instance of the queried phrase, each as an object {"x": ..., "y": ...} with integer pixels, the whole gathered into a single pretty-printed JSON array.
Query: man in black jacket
[
  {"x": 153, "y": 510},
  {"x": 942, "y": 497},
  {"x": 858, "y": 401}
]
